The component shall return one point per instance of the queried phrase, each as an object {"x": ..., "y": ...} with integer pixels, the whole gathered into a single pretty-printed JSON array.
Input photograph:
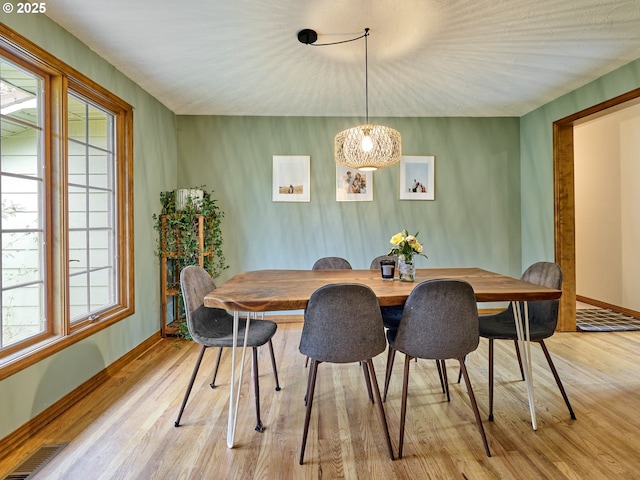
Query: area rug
[{"x": 601, "y": 320}]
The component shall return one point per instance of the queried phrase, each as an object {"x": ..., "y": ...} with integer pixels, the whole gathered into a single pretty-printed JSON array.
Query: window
[
  {"x": 65, "y": 189},
  {"x": 92, "y": 225},
  {"x": 21, "y": 194}
]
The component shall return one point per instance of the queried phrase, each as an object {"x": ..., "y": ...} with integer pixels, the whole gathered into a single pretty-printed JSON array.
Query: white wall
[{"x": 607, "y": 176}]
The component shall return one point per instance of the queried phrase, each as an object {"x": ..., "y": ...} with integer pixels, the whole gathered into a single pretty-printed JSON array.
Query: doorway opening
[{"x": 564, "y": 198}]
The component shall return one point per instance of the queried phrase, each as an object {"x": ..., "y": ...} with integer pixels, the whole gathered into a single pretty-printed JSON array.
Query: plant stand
[{"x": 173, "y": 259}]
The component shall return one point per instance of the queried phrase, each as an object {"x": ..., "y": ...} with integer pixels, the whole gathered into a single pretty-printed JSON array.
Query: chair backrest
[
  {"x": 331, "y": 263},
  {"x": 544, "y": 314},
  {"x": 375, "y": 263},
  {"x": 195, "y": 283},
  {"x": 342, "y": 324},
  {"x": 440, "y": 320}
]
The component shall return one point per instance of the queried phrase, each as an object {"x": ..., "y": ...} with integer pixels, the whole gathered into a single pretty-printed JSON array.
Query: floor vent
[{"x": 35, "y": 462}]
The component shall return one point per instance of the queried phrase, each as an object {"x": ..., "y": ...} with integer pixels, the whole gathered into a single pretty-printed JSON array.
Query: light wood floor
[{"x": 124, "y": 430}]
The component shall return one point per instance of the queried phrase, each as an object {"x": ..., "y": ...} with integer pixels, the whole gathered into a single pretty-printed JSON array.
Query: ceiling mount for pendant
[{"x": 307, "y": 36}]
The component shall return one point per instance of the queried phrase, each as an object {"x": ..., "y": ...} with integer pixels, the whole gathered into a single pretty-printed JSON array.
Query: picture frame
[
  {"x": 417, "y": 177},
  {"x": 353, "y": 185},
  {"x": 291, "y": 178}
]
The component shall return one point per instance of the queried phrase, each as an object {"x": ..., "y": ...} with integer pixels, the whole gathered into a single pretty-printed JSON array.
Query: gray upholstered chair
[
  {"x": 391, "y": 316},
  {"x": 543, "y": 319},
  {"x": 213, "y": 327},
  {"x": 342, "y": 324},
  {"x": 331, "y": 263},
  {"x": 440, "y": 321}
]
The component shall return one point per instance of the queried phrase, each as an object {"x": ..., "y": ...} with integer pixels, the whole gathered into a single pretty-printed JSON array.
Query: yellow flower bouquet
[{"x": 405, "y": 246}]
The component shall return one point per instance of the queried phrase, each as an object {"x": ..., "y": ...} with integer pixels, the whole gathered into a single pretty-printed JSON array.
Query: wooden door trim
[{"x": 564, "y": 197}]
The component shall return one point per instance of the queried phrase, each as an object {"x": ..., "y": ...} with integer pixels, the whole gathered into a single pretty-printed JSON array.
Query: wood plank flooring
[{"x": 125, "y": 429}]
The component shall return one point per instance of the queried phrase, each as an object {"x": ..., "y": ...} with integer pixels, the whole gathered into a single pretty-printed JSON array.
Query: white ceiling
[{"x": 426, "y": 57}]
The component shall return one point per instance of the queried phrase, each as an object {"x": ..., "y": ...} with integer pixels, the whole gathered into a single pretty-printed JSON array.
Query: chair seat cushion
[
  {"x": 214, "y": 328},
  {"x": 502, "y": 326}
]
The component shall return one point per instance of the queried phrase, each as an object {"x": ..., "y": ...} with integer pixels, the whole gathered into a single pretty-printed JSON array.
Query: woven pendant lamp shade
[{"x": 368, "y": 147}]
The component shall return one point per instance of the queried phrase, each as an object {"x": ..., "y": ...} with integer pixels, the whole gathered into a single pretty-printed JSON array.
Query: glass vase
[{"x": 406, "y": 269}]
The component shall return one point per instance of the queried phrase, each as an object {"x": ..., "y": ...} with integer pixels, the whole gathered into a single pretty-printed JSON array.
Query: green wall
[
  {"x": 25, "y": 394},
  {"x": 474, "y": 220},
  {"x": 536, "y": 140}
]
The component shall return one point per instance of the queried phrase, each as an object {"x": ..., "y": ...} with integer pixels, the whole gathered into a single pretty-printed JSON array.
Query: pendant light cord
[
  {"x": 366, "y": 73},
  {"x": 309, "y": 37},
  {"x": 311, "y": 41}
]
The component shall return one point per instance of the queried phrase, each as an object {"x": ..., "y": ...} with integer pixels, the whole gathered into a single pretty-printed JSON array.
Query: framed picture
[
  {"x": 291, "y": 178},
  {"x": 417, "y": 178},
  {"x": 353, "y": 185}
]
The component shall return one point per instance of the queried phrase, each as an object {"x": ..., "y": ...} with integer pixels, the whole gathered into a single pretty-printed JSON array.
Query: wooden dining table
[{"x": 285, "y": 290}]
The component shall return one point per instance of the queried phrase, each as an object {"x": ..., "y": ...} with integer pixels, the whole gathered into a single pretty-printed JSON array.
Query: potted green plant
[{"x": 189, "y": 233}]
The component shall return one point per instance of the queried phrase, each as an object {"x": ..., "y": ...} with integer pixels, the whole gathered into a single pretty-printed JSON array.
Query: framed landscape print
[
  {"x": 291, "y": 178},
  {"x": 353, "y": 185},
  {"x": 417, "y": 178}
]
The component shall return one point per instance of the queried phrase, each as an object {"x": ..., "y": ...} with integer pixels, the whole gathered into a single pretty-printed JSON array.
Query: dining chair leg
[
  {"x": 439, "y": 365},
  {"x": 367, "y": 380},
  {"x": 306, "y": 394},
  {"x": 491, "y": 379},
  {"x": 190, "y": 385},
  {"x": 515, "y": 343},
  {"x": 383, "y": 418},
  {"x": 474, "y": 406},
  {"x": 460, "y": 371},
  {"x": 387, "y": 377},
  {"x": 557, "y": 377},
  {"x": 443, "y": 379},
  {"x": 256, "y": 388},
  {"x": 215, "y": 370},
  {"x": 403, "y": 408},
  {"x": 313, "y": 371},
  {"x": 273, "y": 365}
]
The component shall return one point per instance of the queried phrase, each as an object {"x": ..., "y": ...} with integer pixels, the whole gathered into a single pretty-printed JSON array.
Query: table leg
[
  {"x": 524, "y": 342},
  {"x": 233, "y": 403}
]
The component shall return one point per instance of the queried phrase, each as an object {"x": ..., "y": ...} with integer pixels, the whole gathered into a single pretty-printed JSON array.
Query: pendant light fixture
[{"x": 367, "y": 146}]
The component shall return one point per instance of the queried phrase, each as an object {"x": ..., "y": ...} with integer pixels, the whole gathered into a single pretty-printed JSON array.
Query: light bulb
[{"x": 367, "y": 143}]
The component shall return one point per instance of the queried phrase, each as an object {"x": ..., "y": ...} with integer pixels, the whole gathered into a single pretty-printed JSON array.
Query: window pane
[
  {"x": 77, "y": 164},
  {"x": 21, "y": 258},
  {"x": 100, "y": 248},
  {"x": 77, "y": 251},
  {"x": 77, "y": 124},
  {"x": 20, "y": 202},
  {"x": 78, "y": 207},
  {"x": 22, "y": 280},
  {"x": 99, "y": 168},
  {"x": 19, "y": 96},
  {"x": 99, "y": 126},
  {"x": 100, "y": 290},
  {"x": 19, "y": 149},
  {"x": 78, "y": 302},
  {"x": 99, "y": 208},
  {"x": 22, "y": 313},
  {"x": 91, "y": 210}
]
